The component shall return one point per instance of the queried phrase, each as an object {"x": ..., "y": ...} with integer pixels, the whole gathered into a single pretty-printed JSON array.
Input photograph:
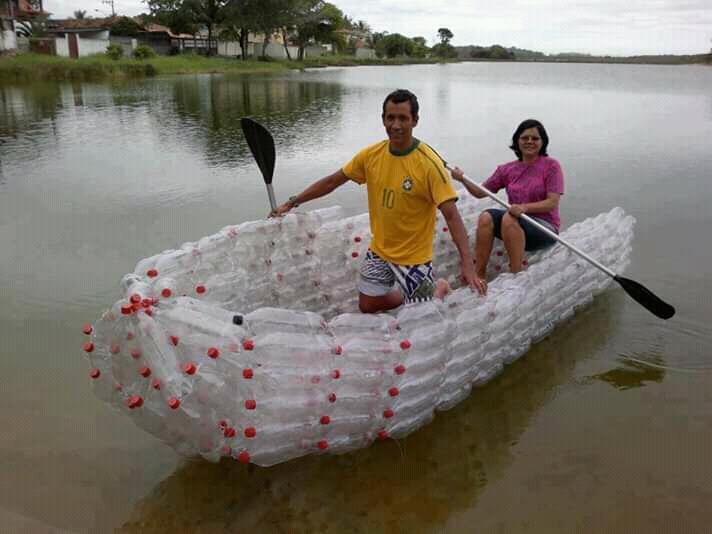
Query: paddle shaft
[
  {"x": 270, "y": 194},
  {"x": 541, "y": 227}
]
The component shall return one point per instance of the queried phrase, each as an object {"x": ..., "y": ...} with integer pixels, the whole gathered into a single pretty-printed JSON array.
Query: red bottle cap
[
  {"x": 383, "y": 435},
  {"x": 247, "y": 373},
  {"x": 145, "y": 372},
  {"x": 200, "y": 289},
  {"x": 445, "y": 229},
  {"x": 243, "y": 457},
  {"x": 213, "y": 352},
  {"x": 229, "y": 432},
  {"x": 354, "y": 254},
  {"x": 135, "y": 298},
  {"x": 87, "y": 329},
  {"x": 250, "y": 432},
  {"x": 88, "y": 346},
  {"x": 173, "y": 403},
  {"x": 126, "y": 309},
  {"x": 152, "y": 273},
  {"x": 135, "y": 401},
  {"x": 174, "y": 340},
  {"x": 156, "y": 384},
  {"x": 323, "y": 444},
  {"x": 388, "y": 413},
  {"x": 357, "y": 239},
  {"x": 400, "y": 369},
  {"x": 393, "y": 392},
  {"x": 332, "y": 397},
  {"x": 250, "y": 404},
  {"x": 405, "y": 344},
  {"x": 189, "y": 368},
  {"x": 248, "y": 344},
  {"x": 338, "y": 350},
  {"x": 325, "y": 419},
  {"x": 335, "y": 374},
  {"x": 95, "y": 373},
  {"x": 166, "y": 292}
]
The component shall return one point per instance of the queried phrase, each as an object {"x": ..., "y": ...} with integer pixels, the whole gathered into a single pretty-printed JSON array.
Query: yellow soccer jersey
[{"x": 404, "y": 189}]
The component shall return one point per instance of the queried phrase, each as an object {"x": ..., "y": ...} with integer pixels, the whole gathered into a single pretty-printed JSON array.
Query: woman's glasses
[{"x": 529, "y": 138}]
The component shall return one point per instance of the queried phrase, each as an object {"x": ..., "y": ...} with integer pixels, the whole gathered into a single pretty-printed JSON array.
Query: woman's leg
[
  {"x": 514, "y": 241},
  {"x": 483, "y": 243}
]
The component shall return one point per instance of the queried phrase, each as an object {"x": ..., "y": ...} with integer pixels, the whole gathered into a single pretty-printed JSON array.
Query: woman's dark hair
[
  {"x": 402, "y": 95},
  {"x": 530, "y": 123}
]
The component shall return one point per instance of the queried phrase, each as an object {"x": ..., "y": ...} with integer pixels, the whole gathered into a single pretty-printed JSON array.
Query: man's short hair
[{"x": 402, "y": 95}]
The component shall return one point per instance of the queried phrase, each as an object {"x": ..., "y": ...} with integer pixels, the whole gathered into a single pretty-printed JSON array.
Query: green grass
[{"x": 34, "y": 67}]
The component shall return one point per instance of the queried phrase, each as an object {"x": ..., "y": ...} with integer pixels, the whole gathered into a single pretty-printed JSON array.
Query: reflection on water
[
  {"x": 634, "y": 374},
  {"x": 414, "y": 485}
]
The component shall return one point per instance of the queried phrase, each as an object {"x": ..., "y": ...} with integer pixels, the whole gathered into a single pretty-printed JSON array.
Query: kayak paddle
[
  {"x": 261, "y": 145},
  {"x": 637, "y": 291}
]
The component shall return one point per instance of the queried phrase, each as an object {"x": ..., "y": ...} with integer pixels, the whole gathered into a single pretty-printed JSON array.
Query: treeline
[
  {"x": 497, "y": 52},
  {"x": 397, "y": 45},
  {"x": 299, "y": 21}
]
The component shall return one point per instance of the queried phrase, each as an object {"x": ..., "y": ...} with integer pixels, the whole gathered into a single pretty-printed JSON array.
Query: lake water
[{"x": 604, "y": 426}]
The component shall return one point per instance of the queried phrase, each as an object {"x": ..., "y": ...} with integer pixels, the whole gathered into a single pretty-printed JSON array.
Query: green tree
[
  {"x": 396, "y": 45},
  {"x": 189, "y": 15},
  {"x": 445, "y": 35},
  {"x": 125, "y": 26},
  {"x": 317, "y": 21},
  {"x": 421, "y": 47}
]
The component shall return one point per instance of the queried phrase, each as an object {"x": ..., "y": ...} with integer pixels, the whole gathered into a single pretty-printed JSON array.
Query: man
[{"x": 406, "y": 181}]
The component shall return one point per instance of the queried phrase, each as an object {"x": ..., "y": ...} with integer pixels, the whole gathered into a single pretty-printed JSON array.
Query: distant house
[
  {"x": 16, "y": 17},
  {"x": 164, "y": 41},
  {"x": 80, "y": 37},
  {"x": 358, "y": 40}
]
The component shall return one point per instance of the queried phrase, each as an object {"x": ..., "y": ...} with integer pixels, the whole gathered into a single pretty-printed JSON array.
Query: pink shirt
[{"x": 530, "y": 182}]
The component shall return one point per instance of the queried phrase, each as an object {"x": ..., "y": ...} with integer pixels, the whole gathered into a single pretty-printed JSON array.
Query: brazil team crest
[{"x": 407, "y": 184}]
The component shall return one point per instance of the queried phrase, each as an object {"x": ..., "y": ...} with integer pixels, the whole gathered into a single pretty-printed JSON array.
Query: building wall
[
  {"x": 92, "y": 43},
  {"x": 61, "y": 46},
  {"x": 8, "y": 41},
  {"x": 365, "y": 53},
  {"x": 128, "y": 44}
]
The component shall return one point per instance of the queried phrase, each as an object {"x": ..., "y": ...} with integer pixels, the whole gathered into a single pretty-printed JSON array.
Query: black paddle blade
[
  {"x": 646, "y": 298},
  {"x": 261, "y": 145}
]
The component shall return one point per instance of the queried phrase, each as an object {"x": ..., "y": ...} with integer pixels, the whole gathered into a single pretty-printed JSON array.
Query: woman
[{"x": 534, "y": 184}]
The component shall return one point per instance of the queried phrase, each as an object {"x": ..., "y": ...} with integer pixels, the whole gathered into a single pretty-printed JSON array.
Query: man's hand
[
  {"x": 282, "y": 210},
  {"x": 469, "y": 277},
  {"x": 515, "y": 210}
]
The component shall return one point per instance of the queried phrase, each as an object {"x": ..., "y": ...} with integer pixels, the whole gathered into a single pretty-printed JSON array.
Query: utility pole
[{"x": 110, "y": 3}]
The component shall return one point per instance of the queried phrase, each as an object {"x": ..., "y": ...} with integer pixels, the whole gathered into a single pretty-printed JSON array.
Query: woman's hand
[
  {"x": 515, "y": 210},
  {"x": 457, "y": 174}
]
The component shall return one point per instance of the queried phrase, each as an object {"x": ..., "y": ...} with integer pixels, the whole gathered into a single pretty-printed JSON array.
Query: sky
[{"x": 613, "y": 27}]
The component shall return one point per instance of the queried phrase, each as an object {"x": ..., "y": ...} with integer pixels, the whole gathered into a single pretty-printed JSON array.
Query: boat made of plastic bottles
[{"x": 248, "y": 343}]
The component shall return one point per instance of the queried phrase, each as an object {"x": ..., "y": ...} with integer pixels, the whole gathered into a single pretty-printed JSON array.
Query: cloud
[{"x": 592, "y": 26}]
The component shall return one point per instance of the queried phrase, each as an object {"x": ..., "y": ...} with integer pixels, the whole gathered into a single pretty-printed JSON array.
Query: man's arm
[
  {"x": 318, "y": 189},
  {"x": 459, "y": 236}
]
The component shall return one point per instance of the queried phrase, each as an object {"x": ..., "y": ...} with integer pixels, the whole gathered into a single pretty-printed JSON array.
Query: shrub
[
  {"x": 143, "y": 52},
  {"x": 114, "y": 51}
]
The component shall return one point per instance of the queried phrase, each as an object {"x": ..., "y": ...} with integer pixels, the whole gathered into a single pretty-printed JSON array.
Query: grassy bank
[{"x": 33, "y": 67}]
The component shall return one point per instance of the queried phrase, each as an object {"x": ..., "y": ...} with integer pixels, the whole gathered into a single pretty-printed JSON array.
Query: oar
[
  {"x": 262, "y": 147},
  {"x": 640, "y": 293}
]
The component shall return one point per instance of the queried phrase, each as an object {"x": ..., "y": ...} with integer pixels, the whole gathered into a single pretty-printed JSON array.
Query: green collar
[{"x": 405, "y": 152}]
